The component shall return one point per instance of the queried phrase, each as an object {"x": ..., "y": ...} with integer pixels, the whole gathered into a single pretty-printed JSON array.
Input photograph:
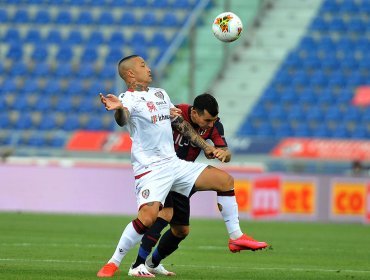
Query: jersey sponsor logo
[
  {"x": 158, "y": 118},
  {"x": 145, "y": 193},
  {"x": 159, "y": 94},
  {"x": 161, "y": 102},
  {"x": 151, "y": 106}
]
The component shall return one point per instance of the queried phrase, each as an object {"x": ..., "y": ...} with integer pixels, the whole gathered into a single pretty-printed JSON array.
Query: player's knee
[
  {"x": 180, "y": 231},
  {"x": 166, "y": 214},
  {"x": 227, "y": 183}
]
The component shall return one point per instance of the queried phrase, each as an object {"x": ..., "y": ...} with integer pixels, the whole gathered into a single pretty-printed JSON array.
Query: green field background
[{"x": 47, "y": 246}]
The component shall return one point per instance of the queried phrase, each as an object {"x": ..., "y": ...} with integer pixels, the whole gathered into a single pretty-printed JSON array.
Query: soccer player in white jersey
[{"x": 157, "y": 169}]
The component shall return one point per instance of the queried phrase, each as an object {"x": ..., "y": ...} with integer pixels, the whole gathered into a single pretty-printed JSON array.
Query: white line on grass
[{"x": 200, "y": 266}]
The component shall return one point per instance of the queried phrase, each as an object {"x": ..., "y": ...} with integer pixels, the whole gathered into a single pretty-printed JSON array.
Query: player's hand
[
  {"x": 175, "y": 112},
  {"x": 110, "y": 102},
  {"x": 220, "y": 154},
  {"x": 209, "y": 156}
]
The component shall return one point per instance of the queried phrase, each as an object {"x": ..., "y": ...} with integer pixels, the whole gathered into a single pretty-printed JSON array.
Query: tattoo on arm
[
  {"x": 188, "y": 131},
  {"x": 121, "y": 116}
]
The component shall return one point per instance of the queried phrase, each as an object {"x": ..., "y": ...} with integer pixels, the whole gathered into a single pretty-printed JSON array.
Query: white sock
[
  {"x": 229, "y": 211},
  {"x": 129, "y": 239}
]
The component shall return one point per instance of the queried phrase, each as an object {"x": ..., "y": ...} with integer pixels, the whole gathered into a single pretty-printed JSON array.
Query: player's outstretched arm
[
  {"x": 112, "y": 102},
  {"x": 188, "y": 131}
]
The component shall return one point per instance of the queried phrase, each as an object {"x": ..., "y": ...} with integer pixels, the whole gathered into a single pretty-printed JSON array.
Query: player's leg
[
  {"x": 152, "y": 236},
  {"x": 131, "y": 235},
  {"x": 222, "y": 182},
  {"x": 154, "y": 187},
  {"x": 171, "y": 238}
]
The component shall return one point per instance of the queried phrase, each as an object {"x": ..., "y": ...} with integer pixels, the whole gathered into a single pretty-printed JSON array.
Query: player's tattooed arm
[
  {"x": 188, "y": 131},
  {"x": 121, "y": 116}
]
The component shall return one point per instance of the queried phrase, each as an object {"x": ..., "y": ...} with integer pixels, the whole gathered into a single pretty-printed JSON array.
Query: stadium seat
[
  {"x": 148, "y": 19},
  {"x": 63, "y": 17},
  {"x": 95, "y": 38},
  {"x": 159, "y": 40},
  {"x": 108, "y": 72},
  {"x": 71, "y": 123},
  {"x": 138, "y": 39},
  {"x": 84, "y": 18},
  {"x": 127, "y": 19},
  {"x": 12, "y": 36},
  {"x": 4, "y": 120},
  {"x": 114, "y": 55},
  {"x": 53, "y": 87},
  {"x": 40, "y": 70},
  {"x": 74, "y": 88},
  {"x": 33, "y": 36},
  {"x": 183, "y": 4},
  {"x": 89, "y": 55},
  {"x": 4, "y": 15},
  {"x": 39, "y": 54},
  {"x": 21, "y": 16},
  {"x": 105, "y": 18},
  {"x": 85, "y": 71},
  {"x": 42, "y": 17},
  {"x": 75, "y": 37},
  {"x": 117, "y": 39},
  {"x": 18, "y": 68},
  {"x": 160, "y": 4},
  {"x": 63, "y": 70},
  {"x": 54, "y": 37},
  {"x": 169, "y": 20},
  {"x": 64, "y": 54}
]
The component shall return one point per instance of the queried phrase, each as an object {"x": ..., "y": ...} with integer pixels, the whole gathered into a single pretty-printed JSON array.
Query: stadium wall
[{"x": 62, "y": 187}]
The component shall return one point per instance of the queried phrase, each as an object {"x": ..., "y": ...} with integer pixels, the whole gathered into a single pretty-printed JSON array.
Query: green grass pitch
[{"x": 46, "y": 246}]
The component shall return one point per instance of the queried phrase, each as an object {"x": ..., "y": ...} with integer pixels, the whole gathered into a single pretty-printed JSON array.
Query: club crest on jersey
[
  {"x": 151, "y": 106},
  {"x": 159, "y": 94},
  {"x": 145, "y": 193}
]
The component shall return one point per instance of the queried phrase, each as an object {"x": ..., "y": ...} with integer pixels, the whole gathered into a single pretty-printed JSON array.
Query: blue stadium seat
[
  {"x": 36, "y": 140},
  {"x": 71, "y": 123},
  {"x": 183, "y": 4},
  {"x": 105, "y": 18},
  {"x": 21, "y": 16},
  {"x": 9, "y": 85},
  {"x": 148, "y": 19},
  {"x": 114, "y": 55},
  {"x": 40, "y": 70},
  {"x": 95, "y": 38},
  {"x": 12, "y": 36},
  {"x": 48, "y": 122},
  {"x": 159, "y": 40},
  {"x": 75, "y": 88},
  {"x": 117, "y": 39},
  {"x": 39, "y": 54},
  {"x": 30, "y": 86},
  {"x": 65, "y": 53},
  {"x": 127, "y": 19},
  {"x": 53, "y": 87},
  {"x": 4, "y": 15},
  {"x": 85, "y": 71},
  {"x": 18, "y": 68},
  {"x": 89, "y": 55},
  {"x": 84, "y": 18},
  {"x": 44, "y": 104},
  {"x": 138, "y": 39},
  {"x": 169, "y": 19},
  {"x": 94, "y": 123},
  {"x": 64, "y": 17},
  {"x": 139, "y": 3},
  {"x": 4, "y": 120},
  {"x": 64, "y": 105},
  {"x": 57, "y": 141},
  {"x": 160, "y": 4},
  {"x": 33, "y": 36},
  {"x": 25, "y": 122},
  {"x": 54, "y": 37},
  {"x": 63, "y": 70},
  {"x": 75, "y": 37},
  {"x": 42, "y": 17},
  {"x": 108, "y": 72}
]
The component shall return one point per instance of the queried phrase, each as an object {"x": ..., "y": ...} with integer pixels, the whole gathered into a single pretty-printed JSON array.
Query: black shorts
[{"x": 181, "y": 208}]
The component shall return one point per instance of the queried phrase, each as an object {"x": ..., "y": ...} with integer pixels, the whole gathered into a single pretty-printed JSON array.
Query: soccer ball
[{"x": 227, "y": 27}]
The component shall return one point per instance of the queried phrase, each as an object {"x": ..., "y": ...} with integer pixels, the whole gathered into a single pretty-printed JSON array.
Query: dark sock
[
  {"x": 166, "y": 246},
  {"x": 149, "y": 240}
]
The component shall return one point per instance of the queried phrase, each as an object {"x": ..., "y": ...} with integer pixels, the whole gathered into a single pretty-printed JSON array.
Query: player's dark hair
[
  {"x": 207, "y": 102},
  {"x": 127, "y": 58}
]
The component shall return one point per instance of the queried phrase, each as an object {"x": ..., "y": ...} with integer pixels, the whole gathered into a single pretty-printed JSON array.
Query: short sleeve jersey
[
  {"x": 149, "y": 127},
  {"x": 184, "y": 148}
]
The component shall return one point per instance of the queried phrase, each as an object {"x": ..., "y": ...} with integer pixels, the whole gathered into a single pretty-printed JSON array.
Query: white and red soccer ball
[{"x": 227, "y": 27}]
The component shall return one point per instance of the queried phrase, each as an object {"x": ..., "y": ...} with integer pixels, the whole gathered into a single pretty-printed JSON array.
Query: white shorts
[{"x": 175, "y": 175}]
